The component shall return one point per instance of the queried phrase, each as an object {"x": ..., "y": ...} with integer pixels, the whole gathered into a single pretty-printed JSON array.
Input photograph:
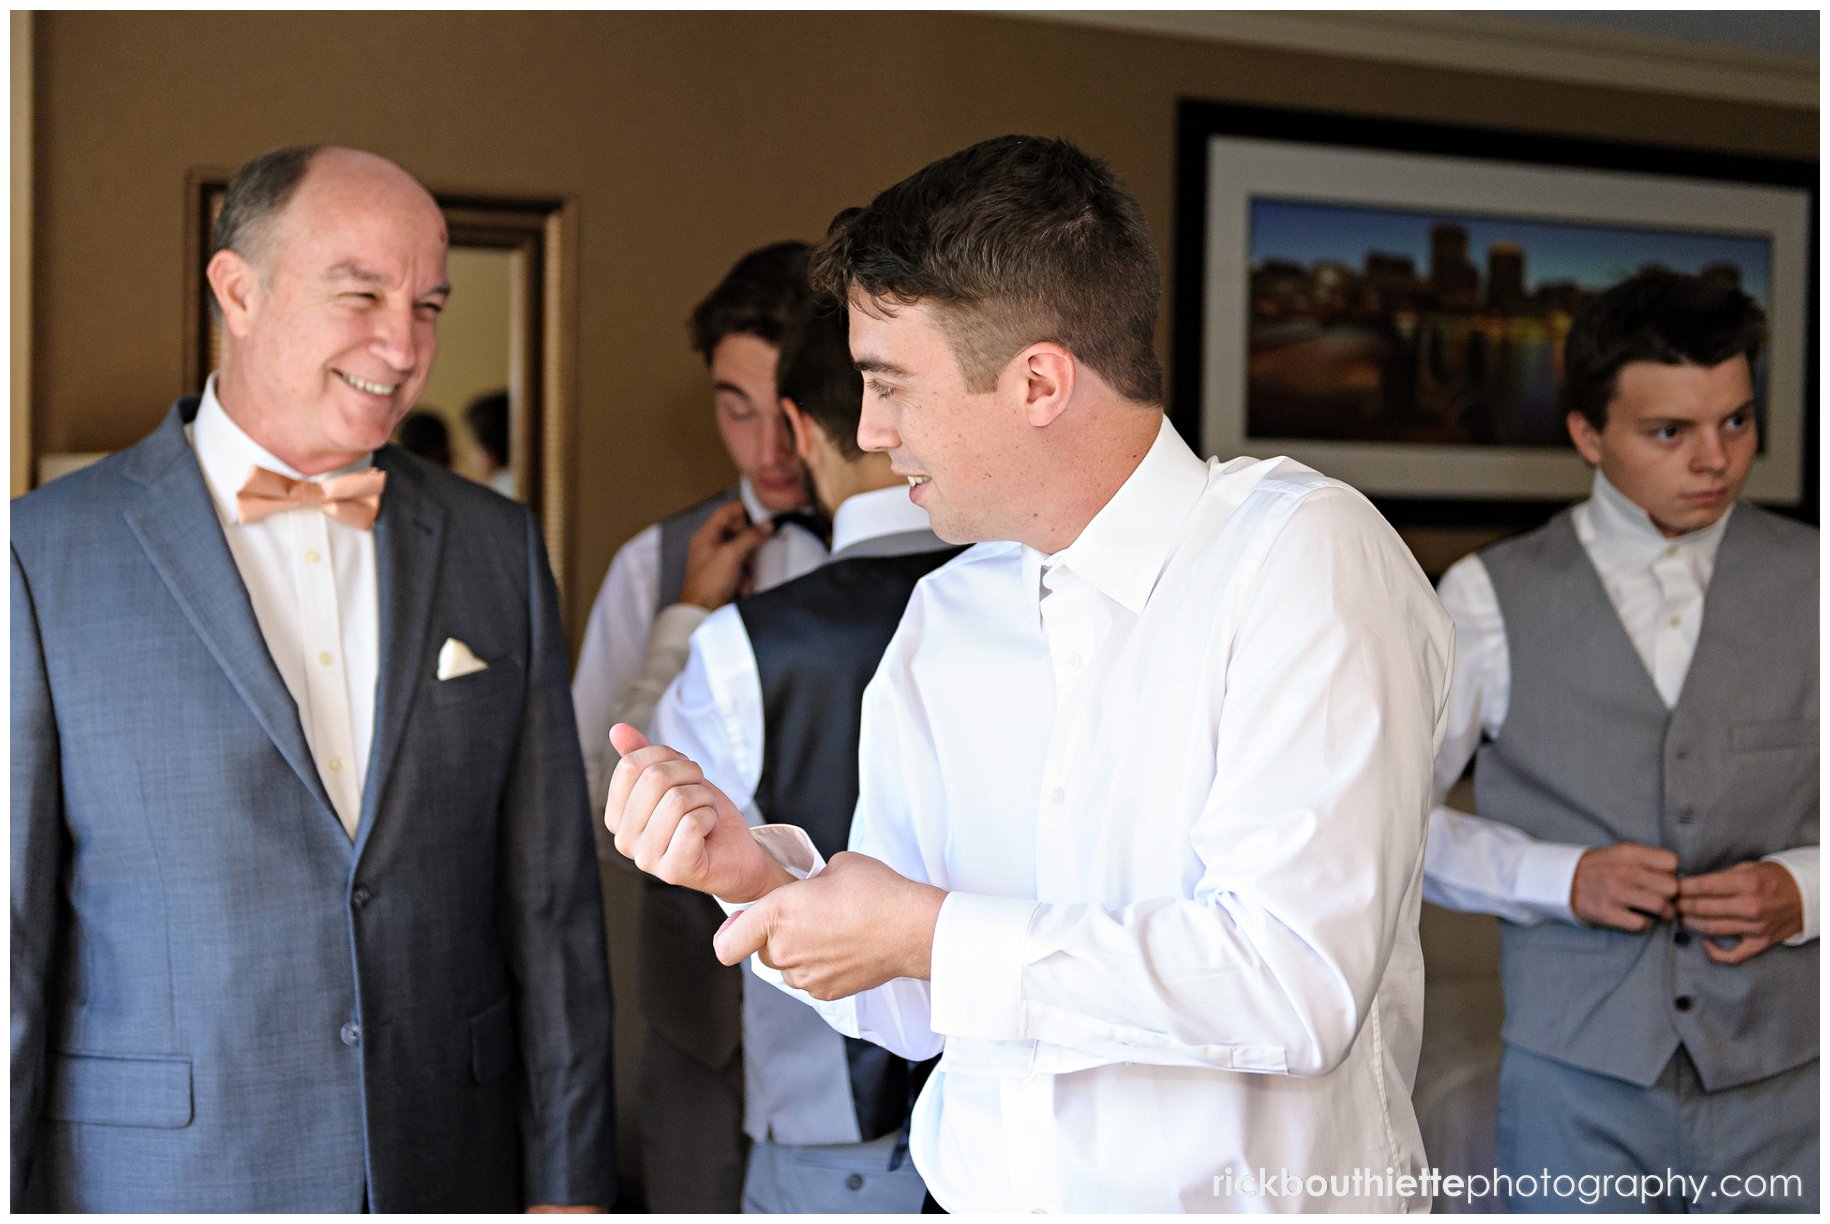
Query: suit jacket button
[
  {"x": 351, "y": 1033},
  {"x": 855, "y": 1182},
  {"x": 360, "y": 897}
]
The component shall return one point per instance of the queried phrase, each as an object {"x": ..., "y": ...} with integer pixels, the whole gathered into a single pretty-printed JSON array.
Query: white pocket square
[{"x": 455, "y": 659}]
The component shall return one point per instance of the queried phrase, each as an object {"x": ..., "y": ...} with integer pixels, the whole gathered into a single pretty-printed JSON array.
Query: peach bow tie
[{"x": 353, "y": 498}]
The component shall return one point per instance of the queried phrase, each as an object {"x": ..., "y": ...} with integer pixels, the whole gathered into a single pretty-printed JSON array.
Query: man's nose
[
  {"x": 1710, "y": 454},
  {"x": 396, "y": 338},
  {"x": 777, "y": 444},
  {"x": 876, "y": 432}
]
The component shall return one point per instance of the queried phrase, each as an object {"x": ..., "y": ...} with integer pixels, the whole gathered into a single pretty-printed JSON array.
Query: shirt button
[
  {"x": 335, "y": 764},
  {"x": 1670, "y": 551},
  {"x": 1057, "y": 795},
  {"x": 324, "y": 658},
  {"x": 1682, "y": 1002},
  {"x": 855, "y": 1182},
  {"x": 313, "y": 556},
  {"x": 1676, "y": 621},
  {"x": 351, "y": 1033},
  {"x": 1073, "y": 662}
]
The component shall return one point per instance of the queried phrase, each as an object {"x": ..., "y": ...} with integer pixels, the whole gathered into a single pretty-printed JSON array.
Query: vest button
[
  {"x": 351, "y": 1033},
  {"x": 855, "y": 1182},
  {"x": 1682, "y": 754},
  {"x": 1682, "y": 1002},
  {"x": 1681, "y": 938}
]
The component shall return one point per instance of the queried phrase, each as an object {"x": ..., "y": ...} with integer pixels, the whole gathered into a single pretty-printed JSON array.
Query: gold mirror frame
[{"x": 538, "y": 232}]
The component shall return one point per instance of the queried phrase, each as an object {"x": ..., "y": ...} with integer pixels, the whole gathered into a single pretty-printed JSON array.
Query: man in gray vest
[
  {"x": 660, "y": 586},
  {"x": 1643, "y": 671},
  {"x": 770, "y": 702}
]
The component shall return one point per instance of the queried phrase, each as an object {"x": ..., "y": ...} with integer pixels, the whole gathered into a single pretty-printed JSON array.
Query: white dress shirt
[
  {"x": 630, "y": 654},
  {"x": 1657, "y": 587},
  {"x": 312, "y": 582},
  {"x": 713, "y": 712},
  {"x": 1175, "y": 779}
]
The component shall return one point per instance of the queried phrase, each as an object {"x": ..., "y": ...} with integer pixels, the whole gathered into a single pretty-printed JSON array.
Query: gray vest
[
  {"x": 1589, "y": 754},
  {"x": 676, "y": 532}
]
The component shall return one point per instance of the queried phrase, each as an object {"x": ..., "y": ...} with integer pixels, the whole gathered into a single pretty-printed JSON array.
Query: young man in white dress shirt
[
  {"x": 1143, "y": 792},
  {"x": 1644, "y": 671},
  {"x": 661, "y": 585},
  {"x": 769, "y": 705}
]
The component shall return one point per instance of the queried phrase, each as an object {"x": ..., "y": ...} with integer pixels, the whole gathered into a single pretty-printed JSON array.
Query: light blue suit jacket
[{"x": 217, "y": 1002}]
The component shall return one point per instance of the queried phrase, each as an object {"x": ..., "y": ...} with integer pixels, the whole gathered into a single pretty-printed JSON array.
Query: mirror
[{"x": 500, "y": 334}]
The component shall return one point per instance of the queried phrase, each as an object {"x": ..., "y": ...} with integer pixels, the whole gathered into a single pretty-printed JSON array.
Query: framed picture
[{"x": 1387, "y": 301}]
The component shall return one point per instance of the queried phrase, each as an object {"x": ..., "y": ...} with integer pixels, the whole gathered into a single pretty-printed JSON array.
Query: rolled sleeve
[{"x": 1802, "y": 864}]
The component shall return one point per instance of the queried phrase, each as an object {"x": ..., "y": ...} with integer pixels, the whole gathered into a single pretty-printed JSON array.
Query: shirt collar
[
  {"x": 1622, "y": 526},
  {"x": 227, "y": 454},
  {"x": 880, "y": 512},
  {"x": 1123, "y": 550},
  {"x": 752, "y": 504}
]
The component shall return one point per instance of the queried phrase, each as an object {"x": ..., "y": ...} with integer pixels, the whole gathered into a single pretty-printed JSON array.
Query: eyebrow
[
  {"x": 870, "y": 365},
  {"x": 733, "y": 388},
  {"x": 348, "y": 270}
]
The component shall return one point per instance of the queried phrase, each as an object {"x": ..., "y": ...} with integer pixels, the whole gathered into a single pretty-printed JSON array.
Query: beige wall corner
[{"x": 20, "y": 34}]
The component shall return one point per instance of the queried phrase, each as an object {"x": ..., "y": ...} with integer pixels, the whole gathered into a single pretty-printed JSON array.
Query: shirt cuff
[
  {"x": 1546, "y": 872},
  {"x": 976, "y": 968},
  {"x": 788, "y": 845},
  {"x": 1801, "y": 864}
]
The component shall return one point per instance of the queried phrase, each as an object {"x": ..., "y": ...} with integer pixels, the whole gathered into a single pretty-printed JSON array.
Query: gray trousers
[
  {"x": 1756, "y": 1144},
  {"x": 824, "y": 1178}
]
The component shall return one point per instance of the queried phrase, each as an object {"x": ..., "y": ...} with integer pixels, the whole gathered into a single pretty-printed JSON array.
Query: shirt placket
[
  {"x": 328, "y": 724},
  {"x": 1681, "y": 599},
  {"x": 1067, "y": 622}
]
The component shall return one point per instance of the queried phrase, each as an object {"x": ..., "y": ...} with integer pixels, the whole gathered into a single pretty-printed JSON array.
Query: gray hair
[{"x": 256, "y": 195}]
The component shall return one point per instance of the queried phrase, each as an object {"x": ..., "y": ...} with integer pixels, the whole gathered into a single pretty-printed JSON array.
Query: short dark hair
[
  {"x": 755, "y": 298},
  {"x": 487, "y": 417},
  {"x": 816, "y": 372},
  {"x": 1016, "y": 240},
  {"x": 1660, "y": 316},
  {"x": 258, "y": 193},
  {"x": 423, "y": 433}
]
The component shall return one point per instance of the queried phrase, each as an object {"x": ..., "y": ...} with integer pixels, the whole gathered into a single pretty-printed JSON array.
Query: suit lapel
[
  {"x": 409, "y": 535},
  {"x": 176, "y": 524}
]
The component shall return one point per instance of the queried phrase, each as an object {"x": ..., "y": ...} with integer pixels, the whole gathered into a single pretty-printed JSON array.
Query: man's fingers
[
  {"x": 1748, "y": 947},
  {"x": 1738, "y": 905},
  {"x": 1714, "y": 884},
  {"x": 745, "y": 932},
  {"x": 1722, "y": 927},
  {"x": 626, "y": 739},
  {"x": 643, "y": 790}
]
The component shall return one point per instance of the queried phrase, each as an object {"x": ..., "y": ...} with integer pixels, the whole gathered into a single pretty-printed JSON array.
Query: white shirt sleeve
[
  {"x": 1310, "y": 839},
  {"x": 616, "y": 635},
  {"x": 712, "y": 711},
  {"x": 1473, "y": 863},
  {"x": 1801, "y": 862}
]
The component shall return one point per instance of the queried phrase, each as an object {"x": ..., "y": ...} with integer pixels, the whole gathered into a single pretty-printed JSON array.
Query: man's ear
[
  {"x": 802, "y": 427},
  {"x": 1586, "y": 437},
  {"x": 234, "y": 281},
  {"x": 1048, "y": 372}
]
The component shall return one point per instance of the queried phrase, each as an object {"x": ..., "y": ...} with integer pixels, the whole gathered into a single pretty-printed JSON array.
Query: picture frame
[{"x": 1333, "y": 301}]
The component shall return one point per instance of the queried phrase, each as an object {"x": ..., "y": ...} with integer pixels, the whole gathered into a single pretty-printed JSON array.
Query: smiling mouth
[
  {"x": 363, "y": 384},
  {"x": 917, "y": 480}
]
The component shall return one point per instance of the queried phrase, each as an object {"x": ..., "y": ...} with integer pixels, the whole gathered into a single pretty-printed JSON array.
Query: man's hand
[
  {"x": 680, "y": 828},
  {"x": 1625, "y": 886},
  {"x": 1757, "y": 901},
  {"x": 718, "y": 557},
  {"x": 854, "y": 926},
  {"x": 550, "y": 1209}
]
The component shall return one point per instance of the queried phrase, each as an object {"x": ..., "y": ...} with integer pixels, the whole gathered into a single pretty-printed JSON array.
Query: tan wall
[{"x": 685, "y": 138}]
